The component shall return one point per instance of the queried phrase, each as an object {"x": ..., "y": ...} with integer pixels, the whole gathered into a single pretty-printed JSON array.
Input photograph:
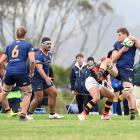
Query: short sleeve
[
  {"x": 117, "y": 46},
  {"x": 30, "y": 48},
  {"x": 38, "y": 58}
]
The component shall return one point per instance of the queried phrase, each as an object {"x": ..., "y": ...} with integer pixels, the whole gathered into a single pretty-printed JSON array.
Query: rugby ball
[{"x": 127, "y": 42}]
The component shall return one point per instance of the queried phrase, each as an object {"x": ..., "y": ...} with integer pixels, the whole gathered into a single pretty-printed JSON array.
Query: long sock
[
  {"x": 22, "y": 115},
  {"x": 120, "y": 98},
  {"x": 107, "y": 106},
  {"x": 29, "y": 113},
  {"x": 88, "y": 107},
  {"x": 114, "y": 105},
  {"x": 132, "y": 111},
  {"x": 8, "y": 110}
]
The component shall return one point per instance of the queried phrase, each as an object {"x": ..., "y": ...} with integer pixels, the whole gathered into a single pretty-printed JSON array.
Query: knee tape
[{"x": 128, "y": 89}]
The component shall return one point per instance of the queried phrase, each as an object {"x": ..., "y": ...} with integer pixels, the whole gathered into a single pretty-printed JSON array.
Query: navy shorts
[
  {"x": 39, "y": 84},
  {"x": 19, "y": 79},
  {"x": 124, "y": 75}
]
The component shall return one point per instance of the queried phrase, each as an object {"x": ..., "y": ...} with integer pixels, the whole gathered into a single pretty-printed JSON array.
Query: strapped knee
[
  {"x": 128, "y": 89},
  {"x": 5, "y": 91},
  {"x": 110, "y": 66},
  {"x": 27, "y": 92}
]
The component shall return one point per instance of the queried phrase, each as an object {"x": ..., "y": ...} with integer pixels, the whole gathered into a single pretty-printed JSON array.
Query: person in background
[{"x": 77, "y": 81}]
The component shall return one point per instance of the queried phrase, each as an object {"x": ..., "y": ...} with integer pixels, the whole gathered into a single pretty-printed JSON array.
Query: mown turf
[{"x": 69, "y": 128}]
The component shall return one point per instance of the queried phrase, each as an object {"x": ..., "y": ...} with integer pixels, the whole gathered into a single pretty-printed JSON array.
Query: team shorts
[
  {"x": 124, "y": 75},
  {"x": 20, "y": 79},
  {"x": 90, "y": 81},
  {"x": 39, "y": 84}
]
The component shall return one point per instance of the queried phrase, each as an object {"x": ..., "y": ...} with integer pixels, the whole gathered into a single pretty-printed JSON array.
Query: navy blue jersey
[
  {"x": 126, "y": 60},
  {"x": 45, "y": 60},
  {"x": 17, "y": 53}
]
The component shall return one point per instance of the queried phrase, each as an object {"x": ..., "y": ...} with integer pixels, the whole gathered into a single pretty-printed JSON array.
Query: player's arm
[
  {"x": 31, "y": 63},
  {"x": 3, "y": 58},
  {"x": 43, "y": 74},
  {"x": 116, "y": 54},
  {"x": 136, "y": 41}
]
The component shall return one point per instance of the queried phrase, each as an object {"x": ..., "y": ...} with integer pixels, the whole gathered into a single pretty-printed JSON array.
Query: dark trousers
[
  {"x": 126, "y": 108},
  {"x": 82, "y": 101}
]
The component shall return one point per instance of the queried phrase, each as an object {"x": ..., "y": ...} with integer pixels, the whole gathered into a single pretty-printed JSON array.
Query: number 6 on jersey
[{"x": 15, "y": 52}]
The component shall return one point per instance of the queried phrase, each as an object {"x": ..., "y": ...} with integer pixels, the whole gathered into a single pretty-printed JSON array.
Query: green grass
[{"x": 69, "y": 128}]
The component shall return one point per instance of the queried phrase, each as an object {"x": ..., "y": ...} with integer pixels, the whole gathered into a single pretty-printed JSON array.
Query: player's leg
[
  {"x": 5, "y": 90},
  {"x": 38, "y": 96},
  {"x": 137, "y": 97},
  {"x": 105, "y": 92},
  {"x": 27, "y": 91},
  {"x": 127, "y": 94},
  {"x": 107, "y": 65},
  {"x": 93, "y": 89},
  {"x": 52, "y": 95},
  {"x": 37, "y": 85}
]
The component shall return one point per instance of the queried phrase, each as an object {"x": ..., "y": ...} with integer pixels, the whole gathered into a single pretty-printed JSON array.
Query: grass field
[{"x": 69, "y": 128}]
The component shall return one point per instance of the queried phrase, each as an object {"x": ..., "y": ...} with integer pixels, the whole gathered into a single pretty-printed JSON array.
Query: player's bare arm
[
  {"x": 31, "y": 63},
  {"x": 3, "y": 58},
  {"x": 43, "y": 74},
  {"x": 117, "y": 54}
]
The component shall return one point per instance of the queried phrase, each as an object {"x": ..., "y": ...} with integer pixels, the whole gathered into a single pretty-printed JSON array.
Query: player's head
[
  {"x": 21, "y": 32},
  {"x": 46, "y": 43},
  {"x": 90, "y": 62},
  {"x": 123, "y": 33},
  {"x": 79, "y": 58}
]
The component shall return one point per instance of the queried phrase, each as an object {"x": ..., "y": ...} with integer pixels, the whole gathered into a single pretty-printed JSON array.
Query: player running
[
  {"x": 16, "y": 55},
  {"x": 41, "y": 82}
]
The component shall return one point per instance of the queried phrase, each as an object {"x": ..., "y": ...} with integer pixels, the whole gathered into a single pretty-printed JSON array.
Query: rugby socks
[
  {"x": 108, "y": 105},
  {"x": 101, "y": 74},
  {"x": 52, "y": 113},
  {"x": 120, "y": 98},
  {"x": 132, "y": 114},
  {"x": 29, "y": 113},
  {"x": 22, "y": 116},
  {"x": 114, "y": 105},
  {"x": 8, "y": 110},
  {"x": 88, "y": 107}
]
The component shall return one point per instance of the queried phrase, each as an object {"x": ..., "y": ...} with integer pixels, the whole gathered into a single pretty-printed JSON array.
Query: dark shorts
[
  {"x": 124, "y": 75},
  {"x": 19, "y": 79},
  {"x": 39, "y": 84}
]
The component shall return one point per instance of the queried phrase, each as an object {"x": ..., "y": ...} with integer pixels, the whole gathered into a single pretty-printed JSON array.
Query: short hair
[
  {"x": 110, "y": 54},
  {"x": 45, "y": 40},
  {"x": 79, "y": 55},
  {"x": 90, "y": 59},
  {"x": 123, "y": 30},
  {"x": 20, "y": 32}
]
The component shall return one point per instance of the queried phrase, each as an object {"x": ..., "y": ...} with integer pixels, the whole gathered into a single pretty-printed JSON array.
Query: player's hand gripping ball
[{"x": 128, "y": 43}]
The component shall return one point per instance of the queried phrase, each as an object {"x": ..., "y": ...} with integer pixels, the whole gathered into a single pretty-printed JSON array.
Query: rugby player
[
  {"x": 123, "y": 56},
  {"x": 16, "y": 55},
  {"x": 97, "y": 92},
  {"x": 41, "y": 82}
]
